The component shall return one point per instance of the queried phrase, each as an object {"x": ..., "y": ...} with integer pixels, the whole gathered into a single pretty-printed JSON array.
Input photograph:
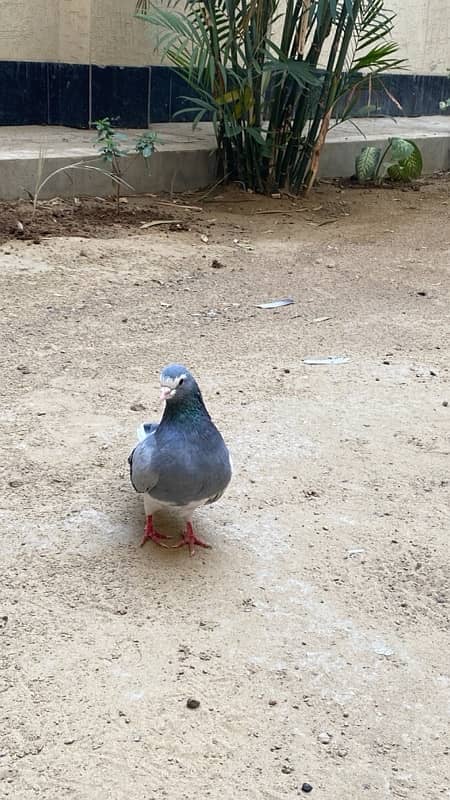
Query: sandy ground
[{"x": 315, "y": 633}]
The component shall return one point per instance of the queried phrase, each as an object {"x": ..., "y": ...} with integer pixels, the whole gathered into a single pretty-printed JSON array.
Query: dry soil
[{"x": 315, "y": 633}]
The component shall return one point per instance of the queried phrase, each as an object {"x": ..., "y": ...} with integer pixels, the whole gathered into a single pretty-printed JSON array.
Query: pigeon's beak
[{"x": 166, "y": 392}]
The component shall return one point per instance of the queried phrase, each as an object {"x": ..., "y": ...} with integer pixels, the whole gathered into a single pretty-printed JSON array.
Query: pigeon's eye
[{"x": 180, "y": 382}]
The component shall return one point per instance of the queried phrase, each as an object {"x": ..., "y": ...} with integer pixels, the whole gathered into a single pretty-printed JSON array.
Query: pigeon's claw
[
  {"x": 151, "y": 533},
  {"x": 190, "y": 539}
]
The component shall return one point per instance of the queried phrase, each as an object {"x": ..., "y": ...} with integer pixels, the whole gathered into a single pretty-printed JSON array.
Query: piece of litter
[
  {"x": 326, "y": 361},
  {"x": 285, "y": 301},
  {"x": 355, "y": 551},
  {"x": 321, "y": 319},
  {"x": 204, "y": 238}
]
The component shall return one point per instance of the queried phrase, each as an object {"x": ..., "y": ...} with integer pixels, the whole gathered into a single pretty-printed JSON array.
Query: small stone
[
  {"x": 83, "y": 254},
  {"x": 217, "y": 264},
  {"x": 422, "y": 294},
  {"x": 24, "y": 369},
  {"x": 15, "y": 483},
  {"x": 287, "y": 769},
  {"x": 324, "y": 738},
  {"x": 273, "y": 702},
  {"x": 192, "y": 703},
  {"x": 445, "y": 403},
  {"x": 69, "y": 741},
  {"x": 306, "y": 788},
  {"x": 386, "y": 361},
  {"x": 137, "y": 407},
  {"x": 342, "y": 752}
]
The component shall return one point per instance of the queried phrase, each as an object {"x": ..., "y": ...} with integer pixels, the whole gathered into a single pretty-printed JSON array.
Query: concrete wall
[
  {"x": 423, "y": 32},
  {"x": 104, "y": 32},
  {"x": 75, "y": 32}
]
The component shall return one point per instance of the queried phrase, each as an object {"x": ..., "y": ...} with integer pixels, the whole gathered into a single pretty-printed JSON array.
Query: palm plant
[{"x": 272, "y": 98}]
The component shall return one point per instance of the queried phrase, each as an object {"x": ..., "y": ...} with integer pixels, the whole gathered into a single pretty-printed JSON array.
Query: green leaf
[
  {"x": 366, "y": 163},
  {"x": 407, "y": 169},
  {"x": 400, "y": 149},
  {"x": 300, "y": 71},
  {"x": 255, "y": 134}
]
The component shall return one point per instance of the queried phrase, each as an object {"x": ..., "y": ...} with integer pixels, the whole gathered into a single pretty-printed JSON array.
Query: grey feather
[{"x": 183, "y": 461}]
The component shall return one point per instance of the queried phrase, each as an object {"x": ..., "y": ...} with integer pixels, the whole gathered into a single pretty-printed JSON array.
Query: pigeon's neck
[{"x": 192, "y": 410}]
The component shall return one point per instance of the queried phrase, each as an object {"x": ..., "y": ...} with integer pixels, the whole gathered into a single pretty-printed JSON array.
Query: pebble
[
  {"x": 217, "y": 264},
  {"x": 137, "y": 407},
  {"x": 287, "y": 769},
  {"x": 306, "y": 788},
  {"x": 83, "y": 254},
  {"x": 324, "y": 738},
  {"x": 69, "y": 741},
  {"x": 15, "y": 483},
  {"x": 342, "y": 752},
  {"x": 445, "y": 403},
  {"x": 192, "y": 703},
  {"x": 24, "y": 369},
  {"x": 273, "y": 702}
]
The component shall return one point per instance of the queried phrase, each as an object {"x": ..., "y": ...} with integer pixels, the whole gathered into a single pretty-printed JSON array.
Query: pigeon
[{"x": 182, "y": 462}]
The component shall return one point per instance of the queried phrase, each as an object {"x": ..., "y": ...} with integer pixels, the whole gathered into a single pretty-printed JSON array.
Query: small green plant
[
  {"x": 111, "y": 146},
  {"x": 404, "y": 163},
  {"x": 146, "y": 144}
]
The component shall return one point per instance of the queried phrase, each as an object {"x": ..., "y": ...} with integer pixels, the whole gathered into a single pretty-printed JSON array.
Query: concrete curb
[{"x": 186, "y": 160}]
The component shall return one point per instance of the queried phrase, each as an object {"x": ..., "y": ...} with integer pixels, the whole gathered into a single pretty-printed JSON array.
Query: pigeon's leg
[
  {"x": 190, "y": 539},
  {"x": 150, "y": 533}
]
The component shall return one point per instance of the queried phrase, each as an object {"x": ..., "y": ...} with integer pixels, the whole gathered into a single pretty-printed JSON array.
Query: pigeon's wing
[
  {"x": 191, "y": 468},
  {"x": 143, "y": 474}
]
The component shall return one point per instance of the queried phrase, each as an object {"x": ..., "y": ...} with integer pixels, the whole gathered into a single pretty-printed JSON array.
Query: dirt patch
[
  {"x": 88, "y": 217},
  {"x": 308, "y": 646}
]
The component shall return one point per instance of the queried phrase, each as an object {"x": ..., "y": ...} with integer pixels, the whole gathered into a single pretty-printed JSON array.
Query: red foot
[
  {"x": 190, "y": 539},
  {"x": 150, "y": 533}
]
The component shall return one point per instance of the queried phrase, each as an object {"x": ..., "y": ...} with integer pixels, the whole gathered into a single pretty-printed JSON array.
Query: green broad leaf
[
  {"x": 366, "y": 163},
  {"x": 407, "y": 169},
  {"x": 400, "y": 149}
]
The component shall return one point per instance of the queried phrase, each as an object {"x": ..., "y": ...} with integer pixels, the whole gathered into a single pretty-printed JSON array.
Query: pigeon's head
[{"x": 177, "y": 383}]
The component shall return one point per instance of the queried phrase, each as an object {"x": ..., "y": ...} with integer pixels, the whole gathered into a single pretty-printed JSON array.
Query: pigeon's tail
[{"x": 145, "y": 429}]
